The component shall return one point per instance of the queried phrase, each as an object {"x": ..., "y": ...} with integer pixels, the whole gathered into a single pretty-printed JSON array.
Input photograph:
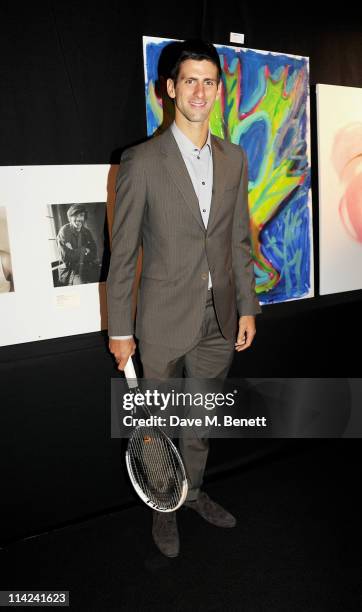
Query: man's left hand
[{"x": 246, "y": 332}]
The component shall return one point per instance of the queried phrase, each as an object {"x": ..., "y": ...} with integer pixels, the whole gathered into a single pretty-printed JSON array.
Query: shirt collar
[{"x": 185, "y": 145}]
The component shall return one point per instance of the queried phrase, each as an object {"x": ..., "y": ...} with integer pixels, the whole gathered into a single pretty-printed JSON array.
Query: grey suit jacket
[{"x": 156, "y": 206}]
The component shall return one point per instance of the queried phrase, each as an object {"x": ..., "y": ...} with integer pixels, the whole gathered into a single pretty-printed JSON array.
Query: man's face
[
  {"x": 196, "y": 90},
  {"x": 77, "y": 221}
]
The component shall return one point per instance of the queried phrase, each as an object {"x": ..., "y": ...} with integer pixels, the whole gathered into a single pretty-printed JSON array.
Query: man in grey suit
[{"x": 183, "y": 196}]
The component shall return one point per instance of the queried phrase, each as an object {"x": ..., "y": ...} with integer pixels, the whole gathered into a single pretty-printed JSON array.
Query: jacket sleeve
[
  {"x": 68, "y": 255},
  {"x": 91, "y": 245},
  {"x": 243, "y": 266},
  {"x": 126, "y": 239}
]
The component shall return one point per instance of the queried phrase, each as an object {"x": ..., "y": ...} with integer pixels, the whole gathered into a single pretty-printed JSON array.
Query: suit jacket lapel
[
  {"x": 176, "y": 167},
  {"x": 219, "y": 179}
]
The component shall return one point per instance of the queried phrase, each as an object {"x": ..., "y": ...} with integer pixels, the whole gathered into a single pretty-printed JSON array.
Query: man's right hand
[{"x": 122, "y": 350}]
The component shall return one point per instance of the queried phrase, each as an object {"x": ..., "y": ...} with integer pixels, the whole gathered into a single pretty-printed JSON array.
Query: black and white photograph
[
  {"x": 57, "y": 246},
  {"x": 79, "y": 243},
  {"x": 6, "y": 272}
]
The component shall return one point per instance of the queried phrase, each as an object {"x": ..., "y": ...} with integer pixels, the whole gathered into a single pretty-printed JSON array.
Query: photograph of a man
[
  {"x": 79, "y": 243},
  {"x": 183, "y": 196},
  {"x": 77, "y": 249}
]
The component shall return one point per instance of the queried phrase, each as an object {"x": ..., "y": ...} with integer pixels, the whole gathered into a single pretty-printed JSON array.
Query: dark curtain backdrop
[
  {"x": 72, "y": 84},
  {"x": 72, "y": 92}
]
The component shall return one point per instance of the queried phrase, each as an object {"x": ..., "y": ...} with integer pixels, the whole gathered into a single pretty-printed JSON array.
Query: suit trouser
[{"x": 209, "y": 356}]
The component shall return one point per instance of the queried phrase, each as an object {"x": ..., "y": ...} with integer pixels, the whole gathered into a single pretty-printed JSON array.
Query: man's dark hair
[{"x": 194, "y": 49}]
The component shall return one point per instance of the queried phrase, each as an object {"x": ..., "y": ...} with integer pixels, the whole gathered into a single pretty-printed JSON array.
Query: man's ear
[{"x": 171, "y": 88}]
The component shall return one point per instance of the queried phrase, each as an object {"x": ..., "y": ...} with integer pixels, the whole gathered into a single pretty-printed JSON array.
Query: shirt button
[
  {"x": 204, "y": 276},
  {"x": 198, "y": 157},
  {"x": 203, "y": 182},
  {"x": 204, "y": 210}
]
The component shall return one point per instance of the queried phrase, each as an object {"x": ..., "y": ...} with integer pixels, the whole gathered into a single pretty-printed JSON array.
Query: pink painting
[{"x": 340, "y": 187}]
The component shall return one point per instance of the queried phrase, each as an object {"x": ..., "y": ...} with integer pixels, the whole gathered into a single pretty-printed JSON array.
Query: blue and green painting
[{"x": 264, "y": 108}]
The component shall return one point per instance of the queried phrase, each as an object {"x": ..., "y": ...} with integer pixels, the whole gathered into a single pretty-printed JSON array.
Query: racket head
[{"x": 156, "y": 469}]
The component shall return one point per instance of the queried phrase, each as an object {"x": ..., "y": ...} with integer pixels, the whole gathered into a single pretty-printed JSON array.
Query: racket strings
[
  {"x": 151, "y": 453},
  {"x": 150, "y": 472},
  {"x": 156, "y": 467},
  {"x": 146, "y": 469}
]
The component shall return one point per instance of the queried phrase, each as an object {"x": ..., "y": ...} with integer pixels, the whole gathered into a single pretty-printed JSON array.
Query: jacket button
[{"x": 204, "y": 276}]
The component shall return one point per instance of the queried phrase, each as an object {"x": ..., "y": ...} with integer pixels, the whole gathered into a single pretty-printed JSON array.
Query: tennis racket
[{"x": 154, "y": 464}]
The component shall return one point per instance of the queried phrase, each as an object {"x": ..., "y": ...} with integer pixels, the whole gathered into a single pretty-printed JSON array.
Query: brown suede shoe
[
  {"x": 211, "y": 511},
  {"x": 165, "y": 533}
]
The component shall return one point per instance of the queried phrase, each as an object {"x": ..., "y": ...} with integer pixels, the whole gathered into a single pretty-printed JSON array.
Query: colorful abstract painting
[
  {"x": 264, "y": 107},
  {"x": 340, "y": 187}
]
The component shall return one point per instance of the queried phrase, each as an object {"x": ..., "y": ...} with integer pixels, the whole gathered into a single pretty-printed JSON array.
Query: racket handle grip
[{"x": 129, "y": 370}]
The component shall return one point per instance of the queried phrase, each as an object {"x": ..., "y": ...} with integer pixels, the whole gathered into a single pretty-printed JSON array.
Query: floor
[{"x": 296, "y": 546}]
